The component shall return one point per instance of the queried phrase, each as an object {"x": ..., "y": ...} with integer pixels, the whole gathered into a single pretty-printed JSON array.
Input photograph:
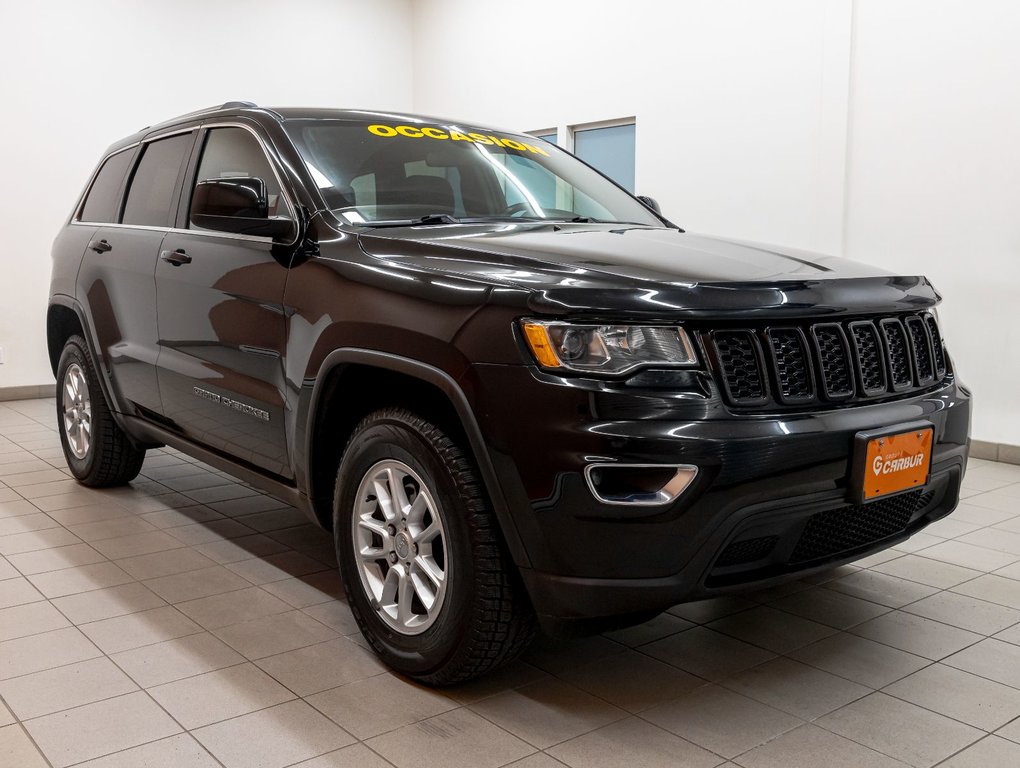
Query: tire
[
  {"x": 479, "y": 617},
  {"x": 98, "y": 452}
]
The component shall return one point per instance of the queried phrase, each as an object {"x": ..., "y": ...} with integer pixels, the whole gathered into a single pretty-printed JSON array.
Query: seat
[{"x": 428, "y": 194}]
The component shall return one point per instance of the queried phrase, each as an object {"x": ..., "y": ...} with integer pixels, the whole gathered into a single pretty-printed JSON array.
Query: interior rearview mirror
[{"x": 237, "y": 205}]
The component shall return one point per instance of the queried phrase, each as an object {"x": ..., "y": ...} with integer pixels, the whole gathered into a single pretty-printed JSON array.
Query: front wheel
[
  {"x": 421, "y": 556},
  {"x": 97, "y": 451}
]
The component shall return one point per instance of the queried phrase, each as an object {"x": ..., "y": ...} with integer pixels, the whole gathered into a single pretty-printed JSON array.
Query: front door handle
[
  {"x": 100, "y": 246},
  {"x": 176, "y": 258}
]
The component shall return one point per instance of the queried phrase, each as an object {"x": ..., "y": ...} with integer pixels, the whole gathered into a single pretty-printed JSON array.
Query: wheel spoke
[
  {"x": 424, "y": 591},
  {"x": 405, "y": 593},
  {"x": 368, "y": 529},
  {"x": 374, "y": 526},
  {"x": 397, "y": 492},
  {"x": 416, "y": 512},
  {"x": 372, "y": 554},
  {"x": 382, "y": 493},
  {"x": 428, "y": 566},
  {"x": 390, "y": 588},
  {"x": 429, "y": 534}
]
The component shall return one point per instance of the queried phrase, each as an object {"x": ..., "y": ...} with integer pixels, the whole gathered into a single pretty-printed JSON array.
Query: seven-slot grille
[{"x": 829, "y": 361}]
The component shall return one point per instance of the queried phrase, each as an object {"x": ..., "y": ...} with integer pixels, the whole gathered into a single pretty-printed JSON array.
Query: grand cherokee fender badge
[{"x": 249, "y": 410}]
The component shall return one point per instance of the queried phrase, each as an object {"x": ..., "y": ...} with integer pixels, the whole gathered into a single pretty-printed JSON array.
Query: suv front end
[{"x": 662, "y": 484}]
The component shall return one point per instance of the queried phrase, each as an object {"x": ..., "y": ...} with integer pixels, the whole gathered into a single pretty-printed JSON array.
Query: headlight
[{"x": 608, "y": 348}]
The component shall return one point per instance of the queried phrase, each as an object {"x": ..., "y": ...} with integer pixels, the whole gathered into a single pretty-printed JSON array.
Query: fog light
[{"x": 639, "y": 485}]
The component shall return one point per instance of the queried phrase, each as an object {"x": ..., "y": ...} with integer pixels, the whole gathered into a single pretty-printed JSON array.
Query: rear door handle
[
  {"x": 100, "y": 246},
  {"x": 176, "y": 258}
]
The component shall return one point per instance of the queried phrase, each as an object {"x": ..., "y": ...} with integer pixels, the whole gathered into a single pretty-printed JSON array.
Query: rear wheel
[
  {"x": 421, "y": 556},
  {"x": 97, "y": 451}
]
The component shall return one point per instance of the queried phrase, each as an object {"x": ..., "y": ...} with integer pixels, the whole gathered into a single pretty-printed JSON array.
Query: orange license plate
[{"x": 897, "y": 462}]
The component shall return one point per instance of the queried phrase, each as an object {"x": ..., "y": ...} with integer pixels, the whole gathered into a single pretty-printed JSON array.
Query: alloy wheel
[
  {"x": 400, "y": 547},
  {"x": 77, "y": 405}
]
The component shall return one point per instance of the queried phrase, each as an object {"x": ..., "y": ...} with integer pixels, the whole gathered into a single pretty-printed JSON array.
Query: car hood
[{"x": 594, "y": 269}]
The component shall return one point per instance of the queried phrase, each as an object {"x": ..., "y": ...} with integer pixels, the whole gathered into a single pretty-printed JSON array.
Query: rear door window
[
  {"x": 103, "y": 198},
  {"x": 152, "y": 186}
]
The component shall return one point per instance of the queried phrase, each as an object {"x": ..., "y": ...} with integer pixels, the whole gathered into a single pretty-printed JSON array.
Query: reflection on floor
[{"x": 188, "y": 620}]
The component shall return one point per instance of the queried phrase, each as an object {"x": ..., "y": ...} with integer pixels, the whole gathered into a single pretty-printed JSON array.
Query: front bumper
[{"x": 771, "y": 499}]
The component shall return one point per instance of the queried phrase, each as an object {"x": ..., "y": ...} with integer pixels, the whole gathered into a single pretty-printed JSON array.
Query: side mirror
[
  {"x": 239, "y": 205},
  {"x": 651, "y": 202}
]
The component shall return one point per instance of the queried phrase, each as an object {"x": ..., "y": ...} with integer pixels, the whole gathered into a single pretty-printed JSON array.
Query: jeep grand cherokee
[{"x": 513, "y": 391}]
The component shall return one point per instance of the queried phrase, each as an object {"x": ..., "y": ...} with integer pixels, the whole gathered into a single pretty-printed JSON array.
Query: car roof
[
  {"x": 318, "y": 113},
  {"x": 281, "y": 114}
]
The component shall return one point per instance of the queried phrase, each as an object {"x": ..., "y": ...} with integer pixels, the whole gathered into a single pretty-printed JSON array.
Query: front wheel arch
[{"x": 380, "y": 380}]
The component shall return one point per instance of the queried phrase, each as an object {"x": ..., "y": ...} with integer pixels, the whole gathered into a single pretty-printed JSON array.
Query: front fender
[{"x": 311, "y": 405}]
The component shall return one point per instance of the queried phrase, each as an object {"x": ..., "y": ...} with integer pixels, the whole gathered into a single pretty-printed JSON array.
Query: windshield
[{"x": 375, "y": 173}]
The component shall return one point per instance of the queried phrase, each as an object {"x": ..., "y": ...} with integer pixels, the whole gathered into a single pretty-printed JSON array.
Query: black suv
[{"x": 512, "y": 390}]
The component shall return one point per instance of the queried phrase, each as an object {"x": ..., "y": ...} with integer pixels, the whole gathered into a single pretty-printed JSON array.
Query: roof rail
[{"x": 214, "y": 108}]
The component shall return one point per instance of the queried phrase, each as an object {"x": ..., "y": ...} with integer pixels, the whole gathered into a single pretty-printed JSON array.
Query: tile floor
[{"x": 188, "y": 620}]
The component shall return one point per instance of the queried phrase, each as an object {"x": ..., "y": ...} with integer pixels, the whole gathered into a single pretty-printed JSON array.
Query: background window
[
  {"x": 548, "y": 135},
  {"x": 611, "y": 150},
  {"x": 232, "y": 153},
  {"x": 102, "y": 203},
  {"x": 152, "y": 187}
]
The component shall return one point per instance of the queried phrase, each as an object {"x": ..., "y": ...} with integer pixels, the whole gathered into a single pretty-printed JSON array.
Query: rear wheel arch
[
  {"x": 65, "y": 319},
  {"x": 381, "y": 379},
  {"x": 62, "y": 322}
]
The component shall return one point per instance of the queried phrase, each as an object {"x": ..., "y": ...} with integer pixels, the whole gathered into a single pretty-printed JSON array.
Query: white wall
[
  {"x": 75, "y": 76},
  {"x": 884, "y": 130},
  {"x": 934, "y": 182},
  {"x": 740, "y": 104}
]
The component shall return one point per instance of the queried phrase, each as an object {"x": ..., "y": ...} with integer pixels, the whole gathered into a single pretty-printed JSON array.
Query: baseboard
[
  {"x": 30, "y": 392},
  {"x": 1008, "y": 454}
]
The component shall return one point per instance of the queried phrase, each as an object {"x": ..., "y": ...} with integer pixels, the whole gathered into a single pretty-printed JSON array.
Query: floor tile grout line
[
  {"x": 625, "y": 716},
  {"x": 32, "y": 741},
  {"x": 151, "y": 741},
  {"x": 245, "y": 660},
  {"x": 929, "y": 663},
  {"x": 935, "y": 711},
  {"x": 849, "y": 628},
  {"x": 871, "y": 690},
  {"x": 79, "y": 706},
  {"x": 875, "y": 749},
  {"x": 821, "y": 586},
  {"x": 55, "y": 666},
  {"x": 379, "y": 755}
]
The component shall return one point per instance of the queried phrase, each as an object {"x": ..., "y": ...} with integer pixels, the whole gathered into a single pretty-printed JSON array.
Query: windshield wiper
[
  {"x": 445, "y": 218},
  {"x": 432, "y": 218}
]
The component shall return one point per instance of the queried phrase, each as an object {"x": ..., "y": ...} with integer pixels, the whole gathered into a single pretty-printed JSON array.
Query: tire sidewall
[{"x": 394, "y": 439}]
